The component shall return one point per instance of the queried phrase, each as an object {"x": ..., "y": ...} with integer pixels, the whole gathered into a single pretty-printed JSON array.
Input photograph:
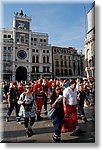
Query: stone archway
[{"x": 21, "y": 73}]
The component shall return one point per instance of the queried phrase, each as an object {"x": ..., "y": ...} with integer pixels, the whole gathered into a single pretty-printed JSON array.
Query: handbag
[
  {"x": 68, "y": 125},
  {"x": 52, "y": 113}
]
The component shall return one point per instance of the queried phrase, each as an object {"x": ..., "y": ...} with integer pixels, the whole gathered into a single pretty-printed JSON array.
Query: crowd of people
[{"x": 28, "y": 97}]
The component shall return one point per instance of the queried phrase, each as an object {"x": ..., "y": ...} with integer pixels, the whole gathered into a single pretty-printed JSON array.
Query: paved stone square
[{"x": 43, "y": 130}]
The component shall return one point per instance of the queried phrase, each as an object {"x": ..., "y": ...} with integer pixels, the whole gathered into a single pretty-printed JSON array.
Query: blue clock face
[
  {"x": 21, "y": 54},
  {"x": 22, "y": 25}
]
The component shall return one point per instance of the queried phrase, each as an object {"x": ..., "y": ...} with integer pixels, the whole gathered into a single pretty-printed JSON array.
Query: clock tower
[
  {"x": 21, "y": 21},
  {"x": 21, "y": 46}
]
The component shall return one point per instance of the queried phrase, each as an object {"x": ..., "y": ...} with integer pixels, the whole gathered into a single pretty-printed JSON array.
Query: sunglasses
[{"x": 28, "y": 88}]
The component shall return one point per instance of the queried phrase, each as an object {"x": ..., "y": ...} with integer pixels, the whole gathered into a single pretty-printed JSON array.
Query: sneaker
[
  {"x": 45, "y": 112},
  {"x": 56, "y": 140},
  {"x": 28, "y": 134},
  {"x": 78, "y": 117},
  {"x": 18, "y": 119},
  {"x": 85, "y": 120},
  {"x": 20, "y": 122},
  {"x": 39, "y": 118},
  {"x": 80, "y": 131},
  {"x": 7, "y": 119},
  {"x": 31, "y": 131}
]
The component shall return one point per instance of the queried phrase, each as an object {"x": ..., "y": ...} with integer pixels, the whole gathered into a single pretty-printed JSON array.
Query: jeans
[
  {"x": 45, "y": 102},
  {"x": 57, "y": 123},
  {"x": 10, "y": 109},
  {"x": 81, "y": 110}
]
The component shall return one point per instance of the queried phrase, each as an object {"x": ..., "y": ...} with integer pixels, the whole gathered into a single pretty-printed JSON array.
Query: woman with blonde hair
[{"x": 28, "y": 109}]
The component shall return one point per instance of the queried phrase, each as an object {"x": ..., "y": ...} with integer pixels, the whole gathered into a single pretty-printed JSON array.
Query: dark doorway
[{"x": 21, "y": 73}]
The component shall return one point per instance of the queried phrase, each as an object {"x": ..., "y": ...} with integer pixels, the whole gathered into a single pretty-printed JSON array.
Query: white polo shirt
[{"x": 70, "y": 95}]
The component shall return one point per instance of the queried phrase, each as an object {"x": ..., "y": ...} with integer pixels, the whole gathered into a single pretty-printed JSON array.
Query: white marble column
[
  {"x": 13, "y": 76},
  {"x": 28, "y": 76}
]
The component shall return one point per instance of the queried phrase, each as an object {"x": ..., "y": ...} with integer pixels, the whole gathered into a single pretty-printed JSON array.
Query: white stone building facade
[
  {"x": 89, "y": 44},
  {"x": 25, "y": 55}
]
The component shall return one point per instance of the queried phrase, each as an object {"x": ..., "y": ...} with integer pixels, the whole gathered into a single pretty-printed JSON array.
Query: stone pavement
[{"x": 43, "y": 130}]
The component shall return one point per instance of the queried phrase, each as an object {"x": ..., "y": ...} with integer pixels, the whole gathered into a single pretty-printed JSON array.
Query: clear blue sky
[{"x": 64, "y": 22}]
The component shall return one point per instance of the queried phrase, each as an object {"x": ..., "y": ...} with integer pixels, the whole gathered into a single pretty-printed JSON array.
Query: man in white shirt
[{"x": 70, "y": 104}]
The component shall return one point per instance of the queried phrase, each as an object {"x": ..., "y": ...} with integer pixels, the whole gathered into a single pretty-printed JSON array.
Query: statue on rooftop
[{"x": 21, "y": 13}]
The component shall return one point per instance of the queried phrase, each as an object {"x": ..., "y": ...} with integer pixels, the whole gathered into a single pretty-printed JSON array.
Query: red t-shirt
[
  {"x": 49, "y": 84},
  {"x": 20, "y": 89}
]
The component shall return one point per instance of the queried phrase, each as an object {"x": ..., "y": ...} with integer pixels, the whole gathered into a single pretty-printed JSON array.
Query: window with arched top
[
  {"x": 87, "y": 53},
  {"x": 37, "y": 69},
  {"x": 37, "y": 59},
  {"x": 65, "y": 63},
  {"x": 65, "y": 72},
  {"x": 57, "y": 72},
  {"x": 48, "y": 69},
  {"x": 44, "y": 60},
  {"x": 57, "y": 64},
  {"x": 70, "y": 72},
  {"x": 44, "y": 69},
  {"x": 47, "y": 59},
  {"x": 61, "y": 63},
  {"x": 33, "y": 59},
  {"x": 62, "y": 72}
]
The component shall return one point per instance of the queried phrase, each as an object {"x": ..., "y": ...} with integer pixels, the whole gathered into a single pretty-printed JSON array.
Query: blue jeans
[
  {"x": 57, "y": 123},
  {"x": 81, "y": 110}
]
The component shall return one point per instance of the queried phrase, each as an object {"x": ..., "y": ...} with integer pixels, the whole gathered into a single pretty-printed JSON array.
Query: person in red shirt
[
  {"x": 54, "y": 82},
  {"x": 20, "y": 88},
  {"x": 49, "y": 87},
  {"x": 38, "y": 92}
]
